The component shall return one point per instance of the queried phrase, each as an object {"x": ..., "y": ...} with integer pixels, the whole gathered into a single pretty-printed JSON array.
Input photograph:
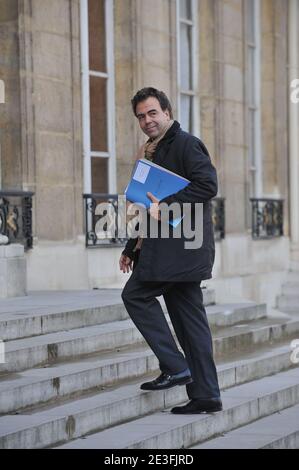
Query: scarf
[{"x": 151, "y": 145}]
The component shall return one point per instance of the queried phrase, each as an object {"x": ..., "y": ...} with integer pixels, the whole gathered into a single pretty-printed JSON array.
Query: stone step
[
  {"x": 278, "y": 431},
  {"x": 49, "y": 312},
  {"x": 47, "y": 349},
  {"x": 222, "y": 315},
  {"x": 163, "y": 430},
  {"x": 288, "y": 303},
  {"x": 68, "y": 378},
  {"x": 46, "y": 313},
  {"x": 53, "y": 424},
  {"x": 41, "y": 385}
]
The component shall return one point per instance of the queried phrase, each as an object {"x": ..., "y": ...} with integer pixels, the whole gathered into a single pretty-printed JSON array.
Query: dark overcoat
[{"x": 168, "y": 259}]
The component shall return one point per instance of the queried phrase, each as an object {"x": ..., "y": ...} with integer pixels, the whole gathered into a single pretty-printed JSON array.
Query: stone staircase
[{"x": 74, "y": 363}]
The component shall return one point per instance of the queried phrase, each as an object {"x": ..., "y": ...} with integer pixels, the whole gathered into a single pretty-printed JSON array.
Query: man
[{"x": 163, "y": 266}]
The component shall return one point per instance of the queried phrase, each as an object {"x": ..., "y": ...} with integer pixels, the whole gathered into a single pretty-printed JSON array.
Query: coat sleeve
[
  {"x": 130, "y": 245},
  {"x": 199, "y": 170}
]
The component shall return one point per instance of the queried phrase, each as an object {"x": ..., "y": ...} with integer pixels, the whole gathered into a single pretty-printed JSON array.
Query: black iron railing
[
  {"x": 218, "y": 216},
  {"x": 102, "y": 220},
  {"x": 16, "y": 217},
  {"x": 104, "y": 224},
  {"x": 267, "y": 218}
]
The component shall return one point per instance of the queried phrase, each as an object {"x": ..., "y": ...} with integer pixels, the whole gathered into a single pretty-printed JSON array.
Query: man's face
[{"x": 152, "y": 119}]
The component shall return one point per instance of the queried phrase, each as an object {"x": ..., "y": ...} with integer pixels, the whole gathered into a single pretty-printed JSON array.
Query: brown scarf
[
  {"x": 151, "y": 145},
  {"x": 147, "y": 151}
]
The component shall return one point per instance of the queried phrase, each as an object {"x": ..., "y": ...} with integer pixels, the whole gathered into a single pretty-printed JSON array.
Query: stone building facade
[{"x": 70, "y": 68}]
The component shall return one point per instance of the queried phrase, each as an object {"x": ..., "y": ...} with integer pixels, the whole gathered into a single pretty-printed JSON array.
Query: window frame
[
  {"x": 193, "y": 93},
  {"x": 86, "y": 73},
  {"x": 253, "y": 89}
]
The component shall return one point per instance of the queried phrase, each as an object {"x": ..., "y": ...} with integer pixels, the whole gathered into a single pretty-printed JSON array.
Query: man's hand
[
  {"x": 154, "y": 208},
  {"x": 125, "y": 264}
]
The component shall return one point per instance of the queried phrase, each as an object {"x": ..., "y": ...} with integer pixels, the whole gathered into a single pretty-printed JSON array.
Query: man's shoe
[
  {"x": 167, "y": 381},
  {"x": 199, "y": 405}
]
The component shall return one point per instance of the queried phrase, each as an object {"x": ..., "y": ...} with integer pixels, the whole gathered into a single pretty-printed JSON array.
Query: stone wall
[
  {"x": 42, "y": 145},
  {"x": 51, "y": 115},
  {"x": 144, "y": 56},
  {"x": 207, "y": 87},
  {"x": 40, "y": 63},
  {"x": 274, "y": 96},
  {"x": 232, "y": 149}
]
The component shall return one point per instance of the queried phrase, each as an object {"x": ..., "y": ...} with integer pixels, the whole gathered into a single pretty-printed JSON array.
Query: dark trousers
[{"x": 184, "y": 303}]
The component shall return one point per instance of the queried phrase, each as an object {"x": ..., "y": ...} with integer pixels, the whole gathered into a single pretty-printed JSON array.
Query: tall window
[
  {"x": 253, "y": 96},
  {"x": 187, "y": 64},
  {"x": 98, "y": 95}
]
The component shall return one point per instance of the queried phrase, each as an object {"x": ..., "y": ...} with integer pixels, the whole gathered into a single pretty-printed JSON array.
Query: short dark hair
[{"x": 145, "y": 93}]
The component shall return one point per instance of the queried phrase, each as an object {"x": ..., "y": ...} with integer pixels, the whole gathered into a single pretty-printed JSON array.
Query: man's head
[{"x": 153, "y": 111}]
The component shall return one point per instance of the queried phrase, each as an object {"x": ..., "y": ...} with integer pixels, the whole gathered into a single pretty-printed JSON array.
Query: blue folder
[{"x": 149, "y": 177}]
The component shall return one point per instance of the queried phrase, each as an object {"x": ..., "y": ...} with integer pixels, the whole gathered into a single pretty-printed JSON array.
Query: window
[
  {"x": 98, "y": 96},
  {"x": 253, "y": 96},
  {"x": 186, "y": 65}
]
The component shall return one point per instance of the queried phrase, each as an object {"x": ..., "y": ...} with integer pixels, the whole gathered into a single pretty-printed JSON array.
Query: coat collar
[
  {"x": 164, "y": 144},
  {"x": 171, "y": 133}
]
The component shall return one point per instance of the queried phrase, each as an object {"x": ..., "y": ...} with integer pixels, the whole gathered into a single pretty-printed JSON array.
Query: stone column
[
  {"x": 208, "y": 84},
  {"x": 51, "y": 116},
  {"x": 144, "y": 56},
  {"x": 231, "y": 111}
]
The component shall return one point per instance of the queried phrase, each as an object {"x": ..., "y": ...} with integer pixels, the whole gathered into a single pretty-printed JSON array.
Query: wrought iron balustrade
[
  {"x": 103, "y": 226},
  {"x": 102, "y": 221},
  {"x": 16, "y": 217},
  {"x": 267, "y": 218},
  {"x": 218, "y": 217}
]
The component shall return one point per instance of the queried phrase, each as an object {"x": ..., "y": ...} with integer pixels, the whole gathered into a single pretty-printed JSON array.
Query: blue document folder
[{"x": 149, "y": 177}]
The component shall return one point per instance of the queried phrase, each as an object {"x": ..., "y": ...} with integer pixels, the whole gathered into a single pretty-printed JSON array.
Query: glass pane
[
  {"x": 186, "y": 113},
  {"x": 251, "y": 70},
  {"x": 252, "y": 137},
  {"x": 251, "y": 151},
  {"x": 99, "y": 175},
  {"x": 98, "y": 114},
  {"x": 97, "y": 39},
  {"x": 185, "y": 57},
  {"x": 250, "y": 21},
  {"x": 185, "y": 9}
]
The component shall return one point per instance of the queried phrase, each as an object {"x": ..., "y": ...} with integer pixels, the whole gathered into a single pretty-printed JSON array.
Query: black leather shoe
[
  {"x": 167, "y": 381},
  {"x": 199, "y": 405}
]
